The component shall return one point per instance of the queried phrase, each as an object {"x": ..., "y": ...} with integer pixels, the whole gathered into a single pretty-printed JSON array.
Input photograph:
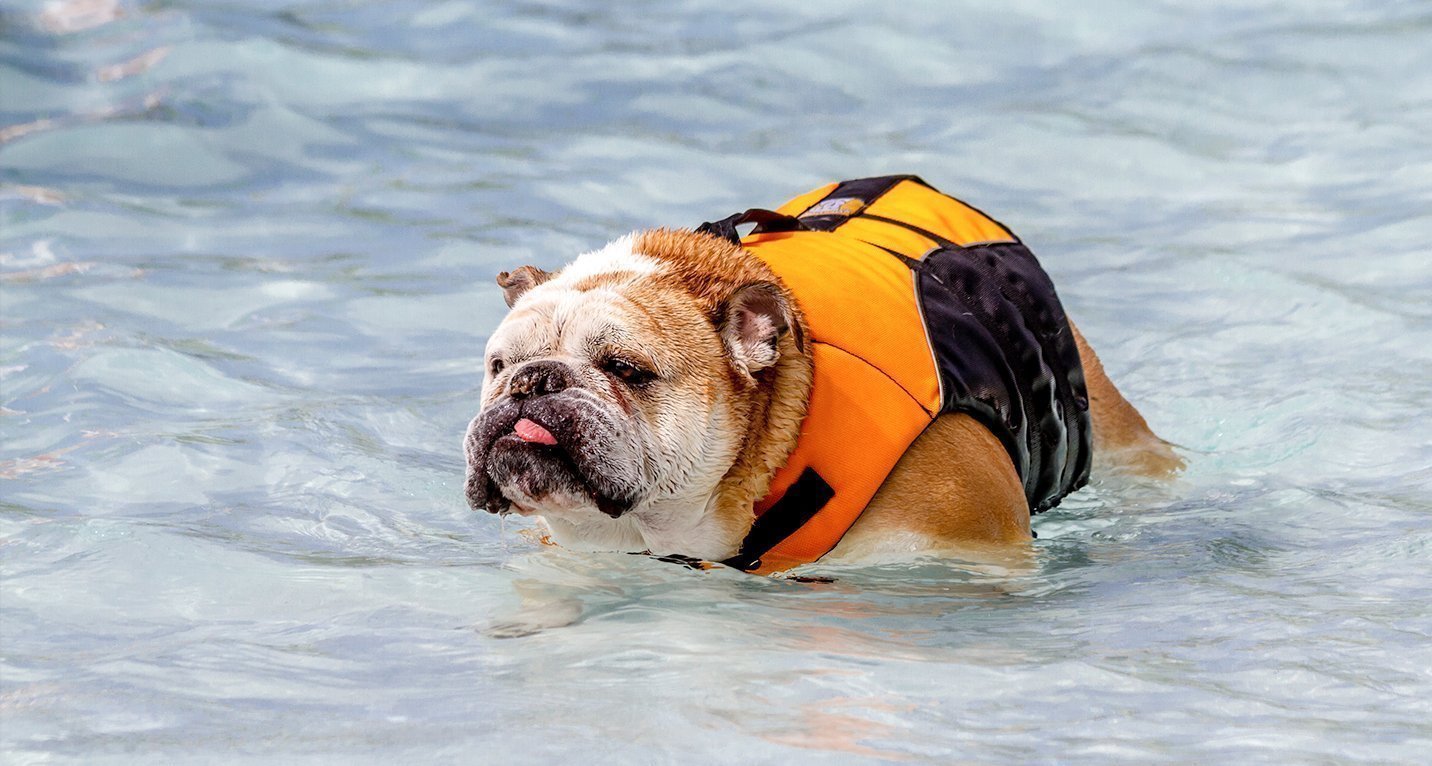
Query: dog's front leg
[{"x": 544, "y": 605}]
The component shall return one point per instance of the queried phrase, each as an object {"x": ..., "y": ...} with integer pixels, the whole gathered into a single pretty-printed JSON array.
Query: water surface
[{"x": 247, "y": 277}]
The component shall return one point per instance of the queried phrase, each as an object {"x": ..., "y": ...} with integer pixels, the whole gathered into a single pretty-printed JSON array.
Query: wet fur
[{"x": 731, "y": 412}]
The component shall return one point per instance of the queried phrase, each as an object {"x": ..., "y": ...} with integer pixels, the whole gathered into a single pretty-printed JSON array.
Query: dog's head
[{"x": 629, "y": 381}]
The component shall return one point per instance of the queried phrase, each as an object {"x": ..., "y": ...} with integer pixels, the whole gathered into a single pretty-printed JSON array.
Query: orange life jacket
[{"x": 917, "y": 304}]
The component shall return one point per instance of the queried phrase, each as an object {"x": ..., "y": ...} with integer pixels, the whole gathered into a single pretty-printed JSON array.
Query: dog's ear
[
  {"x": 757, "y": 316},
  {"x": 519, "y": 281}
]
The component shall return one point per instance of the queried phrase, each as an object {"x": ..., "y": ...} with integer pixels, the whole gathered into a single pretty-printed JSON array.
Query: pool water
[{"x": 246, "y": 281}]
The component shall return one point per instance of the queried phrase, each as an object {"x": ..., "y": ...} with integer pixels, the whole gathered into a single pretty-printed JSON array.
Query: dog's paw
[
  {"x": 534, "y": 618},
  {"x": 511, "y": 629}
]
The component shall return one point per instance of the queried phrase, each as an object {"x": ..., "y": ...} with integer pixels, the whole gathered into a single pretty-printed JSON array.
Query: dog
[{"x": 875, "y": 368}]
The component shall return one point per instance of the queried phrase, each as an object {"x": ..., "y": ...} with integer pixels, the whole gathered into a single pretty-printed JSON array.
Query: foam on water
[{"x": 247, "y": 277}]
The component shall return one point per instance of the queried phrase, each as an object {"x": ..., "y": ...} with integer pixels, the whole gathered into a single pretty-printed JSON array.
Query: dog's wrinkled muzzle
[{"x": 548, "y": 438}]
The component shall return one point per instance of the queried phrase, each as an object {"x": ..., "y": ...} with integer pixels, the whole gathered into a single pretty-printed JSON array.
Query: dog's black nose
[{"x": 539, "y": 379}]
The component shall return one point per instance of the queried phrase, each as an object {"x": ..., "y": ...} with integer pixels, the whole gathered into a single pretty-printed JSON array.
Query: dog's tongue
[{"x": 528, "y": 431}]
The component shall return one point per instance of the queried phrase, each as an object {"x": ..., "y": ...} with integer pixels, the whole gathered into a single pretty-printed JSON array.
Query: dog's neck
[
  {"x": 712, "y": 526},
  {"x": 774, "y": 426}
]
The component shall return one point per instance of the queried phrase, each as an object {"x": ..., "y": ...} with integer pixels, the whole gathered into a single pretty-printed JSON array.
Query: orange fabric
[
  {"x": 897, "y": 238},
  {"x": 922, "y": 206},
  {"x": 861, "y": 304},
  {"x": 802, "y": 203},
  {"x": 857, "y": 427},
  {"x": 876, "y": 385}
]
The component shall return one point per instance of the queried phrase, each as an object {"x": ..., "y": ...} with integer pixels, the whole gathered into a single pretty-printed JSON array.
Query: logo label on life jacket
[{"x": 835, "y": 206}]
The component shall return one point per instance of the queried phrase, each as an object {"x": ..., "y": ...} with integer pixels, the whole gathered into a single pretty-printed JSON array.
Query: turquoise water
[{"x": 247, "y": 276}]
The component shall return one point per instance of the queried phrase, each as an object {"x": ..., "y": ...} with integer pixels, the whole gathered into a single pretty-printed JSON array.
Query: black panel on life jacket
[{"x": 1007, "y": 356}]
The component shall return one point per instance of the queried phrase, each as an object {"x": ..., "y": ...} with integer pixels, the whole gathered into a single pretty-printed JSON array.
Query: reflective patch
[{"x": 835, "y": 206}]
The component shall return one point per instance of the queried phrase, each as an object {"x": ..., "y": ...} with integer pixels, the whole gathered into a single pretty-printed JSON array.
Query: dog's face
[{"x": 614, "y": 389}]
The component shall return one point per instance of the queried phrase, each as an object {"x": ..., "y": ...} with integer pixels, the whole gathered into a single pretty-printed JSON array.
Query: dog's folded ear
[
  {"x": 518, "y": 281},
  {"x": 757, "y": 316}
]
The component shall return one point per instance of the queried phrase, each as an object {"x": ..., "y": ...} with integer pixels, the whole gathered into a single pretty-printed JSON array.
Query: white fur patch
[
  {"x": 616, "y": 256},
  {"x": 675, "y": 454}
]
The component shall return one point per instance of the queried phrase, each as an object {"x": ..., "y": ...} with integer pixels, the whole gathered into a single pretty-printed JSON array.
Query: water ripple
[{"x": 246, "y": 260}]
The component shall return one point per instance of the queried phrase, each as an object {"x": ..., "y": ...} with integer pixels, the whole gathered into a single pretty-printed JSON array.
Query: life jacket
[{"x": 917, "y": 305}]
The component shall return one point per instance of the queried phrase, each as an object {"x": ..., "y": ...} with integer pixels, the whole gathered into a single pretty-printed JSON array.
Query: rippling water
[{"x": 247, "y": 275}]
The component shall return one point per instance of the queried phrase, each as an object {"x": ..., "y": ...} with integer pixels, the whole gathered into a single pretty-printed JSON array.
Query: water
[{"x": 247, "y": 278}]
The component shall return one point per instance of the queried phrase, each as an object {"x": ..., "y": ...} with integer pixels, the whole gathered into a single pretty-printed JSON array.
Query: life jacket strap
[
  {"x": 676, "y": 558},
  {"x": 766, "y": 220},
  {"x": 798, "y": 505}
]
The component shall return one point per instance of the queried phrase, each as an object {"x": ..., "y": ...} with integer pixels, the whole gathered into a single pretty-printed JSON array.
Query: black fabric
[
  {"x": 1007, "y": 356},
  {"x": 866, "y": 190},
  {"x": 802, "y": 500},
  {"x": 766, "y": 220},
  {"x": 676, "y": 558}
]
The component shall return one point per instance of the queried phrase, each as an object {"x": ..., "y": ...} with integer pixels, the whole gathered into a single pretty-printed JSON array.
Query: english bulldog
[{"x": 645, "y": 397}]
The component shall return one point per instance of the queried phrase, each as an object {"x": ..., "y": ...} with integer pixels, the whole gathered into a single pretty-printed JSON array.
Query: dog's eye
[
  {"x": 496, "y": 366},
  {"x": 628, "y": 372}
]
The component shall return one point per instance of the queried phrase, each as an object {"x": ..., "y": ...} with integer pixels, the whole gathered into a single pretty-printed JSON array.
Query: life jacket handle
[{"x": 765, "y": 220}]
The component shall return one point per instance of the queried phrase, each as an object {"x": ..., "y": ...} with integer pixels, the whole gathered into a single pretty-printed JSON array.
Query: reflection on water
[{"x": 246, "y": 255}]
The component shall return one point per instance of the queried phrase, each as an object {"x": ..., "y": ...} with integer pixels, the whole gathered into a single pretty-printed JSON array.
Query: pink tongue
[{"x": 528, "y": 431}]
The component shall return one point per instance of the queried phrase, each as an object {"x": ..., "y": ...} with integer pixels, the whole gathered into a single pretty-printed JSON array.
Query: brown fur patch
[
  {"x": 610, "y": 279},
  {"x": 709, "y": 270}
]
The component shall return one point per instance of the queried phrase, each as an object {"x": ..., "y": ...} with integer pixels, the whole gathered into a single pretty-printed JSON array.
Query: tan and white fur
[{"x": 667, "y": 376}]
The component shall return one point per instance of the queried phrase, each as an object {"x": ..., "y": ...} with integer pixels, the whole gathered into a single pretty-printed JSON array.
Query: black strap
[
  {"x": 863, "y": 190},
  {"x": 676, "y": 558},
  {"x": 702, "y": 566},
  {"x": 767, "y": 220},
  {"x": 906, "y": 225},
  {"x": 803, "y": 500}
]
